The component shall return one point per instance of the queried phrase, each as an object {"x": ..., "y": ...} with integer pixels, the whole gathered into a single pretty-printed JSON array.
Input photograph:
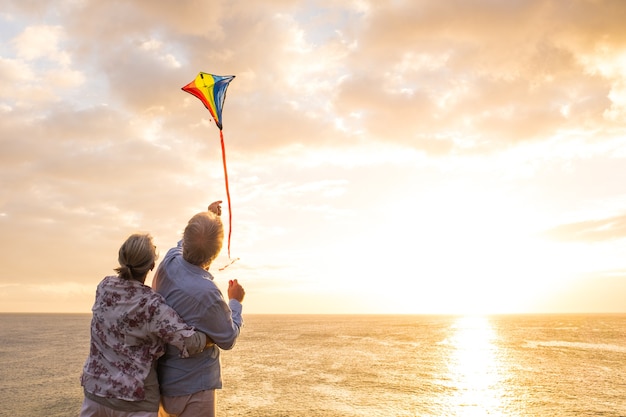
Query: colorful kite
[{"x": 211, "y": 90}]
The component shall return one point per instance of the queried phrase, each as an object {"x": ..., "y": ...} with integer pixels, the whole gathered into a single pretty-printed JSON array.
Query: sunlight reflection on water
[{"x": 474, "y": 369}]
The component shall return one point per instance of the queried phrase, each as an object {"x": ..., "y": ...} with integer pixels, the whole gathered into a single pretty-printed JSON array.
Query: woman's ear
[{"x": 152, "y": 266}]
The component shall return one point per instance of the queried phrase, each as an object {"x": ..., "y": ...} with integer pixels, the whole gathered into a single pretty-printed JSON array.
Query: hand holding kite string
[
  {"x": 211, "y": 90},
  {"x": 216, "y": 207}
]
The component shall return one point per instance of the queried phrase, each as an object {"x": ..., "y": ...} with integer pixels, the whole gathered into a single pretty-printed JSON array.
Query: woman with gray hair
[{"x": 130, "y": 326}]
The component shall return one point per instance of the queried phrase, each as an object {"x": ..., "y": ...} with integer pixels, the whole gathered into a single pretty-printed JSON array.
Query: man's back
[{"x": 190, "y": 290}]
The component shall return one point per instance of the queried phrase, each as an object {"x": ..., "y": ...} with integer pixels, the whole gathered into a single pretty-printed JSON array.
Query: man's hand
[
  {"x": 235, "y": 290},
  {"x": 215, "y": 207}
]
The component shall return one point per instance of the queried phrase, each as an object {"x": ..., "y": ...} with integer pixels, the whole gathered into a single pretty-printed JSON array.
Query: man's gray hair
[{"x": 202, "y": 239}]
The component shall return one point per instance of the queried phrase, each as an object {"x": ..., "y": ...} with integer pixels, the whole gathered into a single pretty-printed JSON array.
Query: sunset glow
[{"x": 383, "y": 157}]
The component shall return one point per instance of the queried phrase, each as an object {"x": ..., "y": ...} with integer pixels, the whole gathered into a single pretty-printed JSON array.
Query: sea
[{"x": 358, "y": 365}]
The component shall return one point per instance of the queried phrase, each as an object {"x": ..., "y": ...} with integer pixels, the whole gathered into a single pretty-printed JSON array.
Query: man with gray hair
[{"x": 188, "y": 386}]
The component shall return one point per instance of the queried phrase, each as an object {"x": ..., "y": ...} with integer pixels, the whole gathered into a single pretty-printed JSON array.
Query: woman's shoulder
[
  {"x": 109, "y": 281},
  {"x": 154, "y": 300}
]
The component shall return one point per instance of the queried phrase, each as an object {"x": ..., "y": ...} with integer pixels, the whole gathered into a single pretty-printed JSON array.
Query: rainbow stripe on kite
[{"x": 211, "y": 90}]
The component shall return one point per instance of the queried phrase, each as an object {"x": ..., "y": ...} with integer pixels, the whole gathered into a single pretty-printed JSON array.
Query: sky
[{"x": 384, "y": 157}]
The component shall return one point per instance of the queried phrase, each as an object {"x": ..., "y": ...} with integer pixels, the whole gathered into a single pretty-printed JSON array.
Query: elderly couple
[{"x": 156, "y": 352}]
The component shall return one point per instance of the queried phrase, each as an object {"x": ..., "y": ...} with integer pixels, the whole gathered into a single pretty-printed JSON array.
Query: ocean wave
[{"x": 576, "y": 345}]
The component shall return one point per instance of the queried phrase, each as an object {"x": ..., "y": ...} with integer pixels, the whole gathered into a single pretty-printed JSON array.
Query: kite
[{"x": 211, "y": 90}]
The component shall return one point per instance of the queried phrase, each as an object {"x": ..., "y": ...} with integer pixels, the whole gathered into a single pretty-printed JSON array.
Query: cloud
[
  {"x": 341, "y": 114},
  {"x": 460, "y": 76},
  {"x": 590, "y": 230}
]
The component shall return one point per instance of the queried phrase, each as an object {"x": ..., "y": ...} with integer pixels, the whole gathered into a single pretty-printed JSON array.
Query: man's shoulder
[
  {"x": 190, "y": 282},
  {"x": 195, "y": 283},
  {"x": 176, "y": 251}
]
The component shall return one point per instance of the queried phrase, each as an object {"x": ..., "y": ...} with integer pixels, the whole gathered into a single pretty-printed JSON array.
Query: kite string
[{"x": 230, "y": 217}]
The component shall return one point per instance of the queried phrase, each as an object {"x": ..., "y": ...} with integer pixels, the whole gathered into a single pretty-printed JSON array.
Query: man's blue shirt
[{"x": 190, "y": 291}]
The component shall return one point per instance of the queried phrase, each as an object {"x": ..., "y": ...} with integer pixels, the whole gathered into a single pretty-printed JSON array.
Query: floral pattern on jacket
[{"x": 129, "y": 329}]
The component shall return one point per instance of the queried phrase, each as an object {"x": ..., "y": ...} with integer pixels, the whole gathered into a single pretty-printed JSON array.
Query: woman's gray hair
[
  {"x": 137, "y": 256},
  {"x": 202, "y": 239}
]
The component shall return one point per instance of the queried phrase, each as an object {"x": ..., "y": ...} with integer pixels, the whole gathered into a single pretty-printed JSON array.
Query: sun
[{"x": 469, "y": 250}]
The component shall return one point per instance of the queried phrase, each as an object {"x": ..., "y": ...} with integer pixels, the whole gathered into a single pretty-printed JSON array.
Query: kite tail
[{"x": 230, "y": 217}]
